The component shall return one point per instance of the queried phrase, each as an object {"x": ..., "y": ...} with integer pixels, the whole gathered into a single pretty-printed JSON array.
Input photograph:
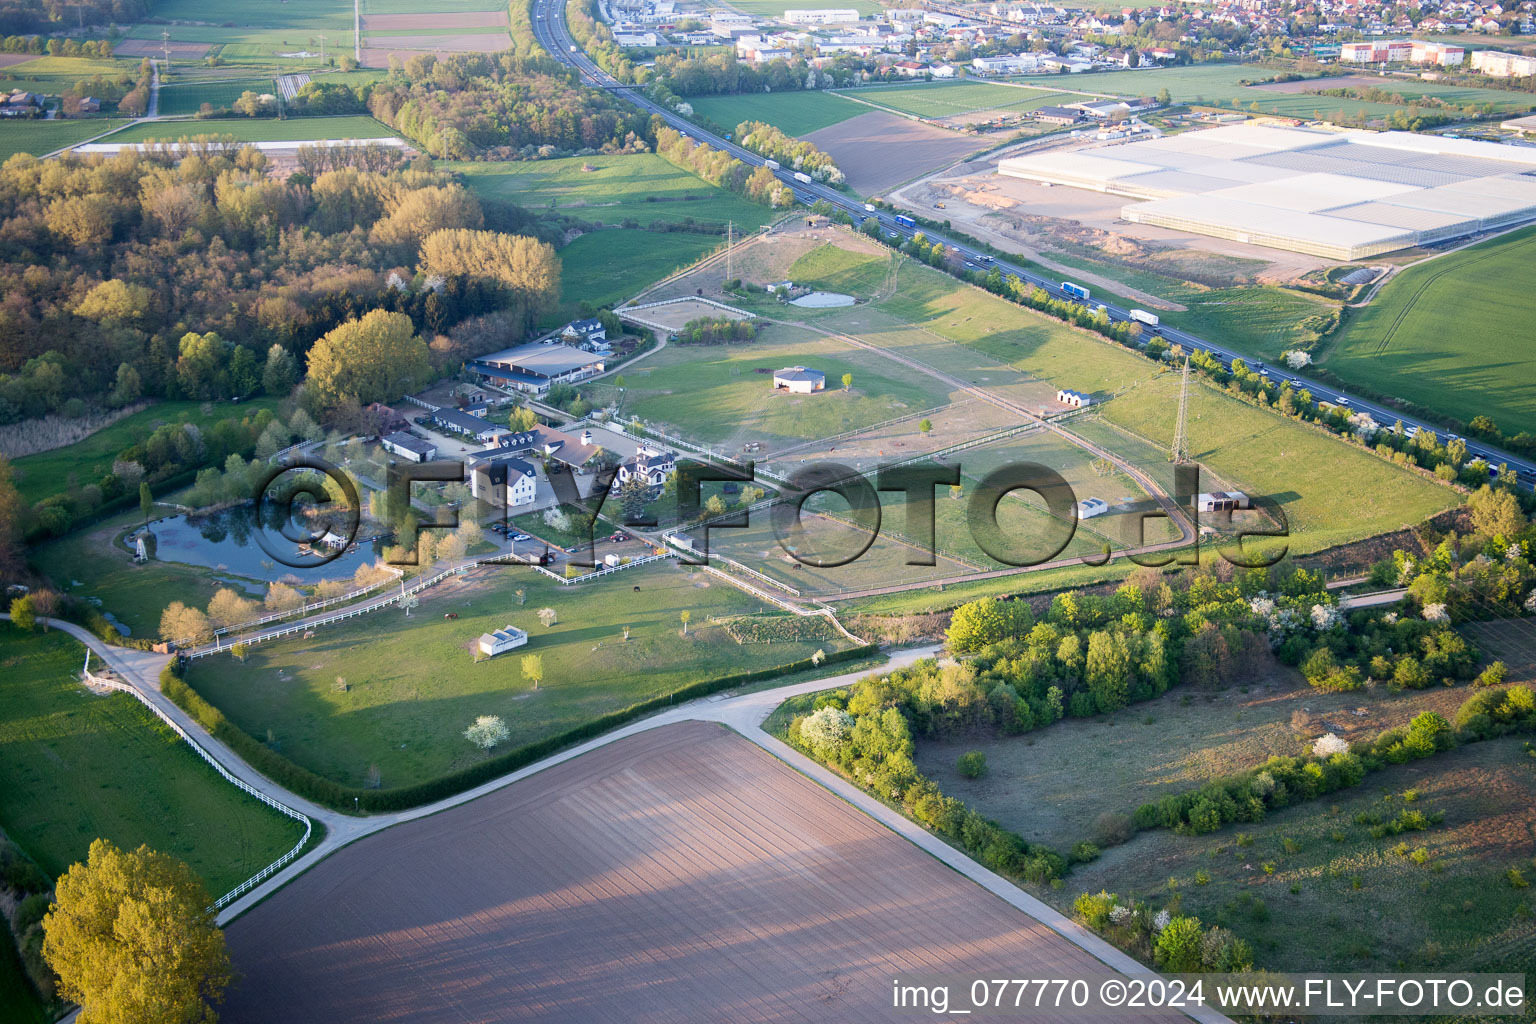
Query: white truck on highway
[
  {"x": 802, "y": 176},
  {"x": 1141, "y": 316},
  {"x": 772, "y": 165},
  {"x": 869, "y": 207}
]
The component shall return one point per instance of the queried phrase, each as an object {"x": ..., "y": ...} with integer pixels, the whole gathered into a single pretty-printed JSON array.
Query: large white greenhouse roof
[{"x": 1338, "y": 194}]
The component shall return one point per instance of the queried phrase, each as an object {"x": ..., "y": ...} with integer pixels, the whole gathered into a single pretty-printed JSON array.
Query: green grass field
[
  {"x": 312, "y": 16},
  {"x": 831, "y": 268},
  {"x": 40, "y": 137},
  {"x": 606, "y": 267},
  {"x": 294, "y": 129},
  {"x": 642, "y": 187},
  {"x": 1331, "y": 492},
  {"x": 1428, "y": 335},
  {"x": 466, "y": 30},
  {"x": 54, "y": 75},
  {"x": 728, "y": 400},
  {"x": 412, "y": 686},
  {"x": 78, "y": 766},
  {"x": 1207, "y": 83},
  {"x": 944, "y": 99},
  {"x": 182, "y": 99},
  {"x": 87, "y": 461},
  {"x": 795, "y": 113}
]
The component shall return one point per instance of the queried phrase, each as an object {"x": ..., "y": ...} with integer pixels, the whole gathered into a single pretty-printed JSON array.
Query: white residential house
[
  {"x": 501, "y": 641},
  {"x": 650, "y": 463},
  {"x": 944, "y": 71}
]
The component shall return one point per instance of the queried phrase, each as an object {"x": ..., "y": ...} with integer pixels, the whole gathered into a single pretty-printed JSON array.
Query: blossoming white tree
[
  {"x": 1328, "y": 744},
  {"x": 1436, "y": 613},
  {"x": 1295, "y": 358},
  {"x": 1324, "y": 617},
  {"x": 487, "y": 731},
  {"x": 826, "y": 727}
]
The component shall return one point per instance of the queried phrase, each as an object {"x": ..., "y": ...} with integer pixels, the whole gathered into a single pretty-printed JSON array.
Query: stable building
[
  {"x": 1074, "y": 399},
  {"x": 469, "y": 425},
  {"x": 1090, "y": 507},
  {"x": 1222, "y": 501},
  {"x": 409, "y": 447},
  {"x": 1058, "y": 115},
  {"x": 536, "y": 367},
  {"x": 799, "y": 380},
  {"x": 502, "y": 640}
]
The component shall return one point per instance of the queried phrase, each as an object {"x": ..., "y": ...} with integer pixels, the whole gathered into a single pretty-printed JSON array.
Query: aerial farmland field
[
  {"x": 697, "y": 873},
  {"x": 795, "y": 113},
  {"x": 1426, "y": 334},
  {"x": 941, "y": 99},
  {"x": 641, "y": 187},
  {"x": 294, "y": 129}
]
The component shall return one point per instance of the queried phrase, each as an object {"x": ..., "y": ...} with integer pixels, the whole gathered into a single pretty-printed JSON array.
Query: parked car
[{"x": 521, "y": 536}]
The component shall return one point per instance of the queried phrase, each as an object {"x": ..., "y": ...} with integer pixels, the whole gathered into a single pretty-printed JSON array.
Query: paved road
[{"x": 550, "y": 30}]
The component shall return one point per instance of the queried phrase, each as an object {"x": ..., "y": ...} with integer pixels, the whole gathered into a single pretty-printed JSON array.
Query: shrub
[
  {"x": 1083, "y": 853},
  {"x": 972, "y": 764},
  {"x": 1093, "y": 909},
  {"x": 1112, "y": 828},
  {"x": 825, "y": 729},
  {"x": 1179, "y": 946}
]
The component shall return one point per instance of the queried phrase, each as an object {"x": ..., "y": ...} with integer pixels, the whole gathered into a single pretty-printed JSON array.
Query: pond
[
  {"x": 823, "y": 300},
  {"x": 226, "y": 541}
]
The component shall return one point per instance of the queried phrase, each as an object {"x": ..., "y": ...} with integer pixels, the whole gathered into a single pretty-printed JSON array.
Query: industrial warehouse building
[{"x": 1343, "y": 195}]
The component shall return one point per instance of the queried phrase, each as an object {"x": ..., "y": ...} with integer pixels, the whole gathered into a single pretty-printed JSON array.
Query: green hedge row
[{"x": 305, "y": 783}]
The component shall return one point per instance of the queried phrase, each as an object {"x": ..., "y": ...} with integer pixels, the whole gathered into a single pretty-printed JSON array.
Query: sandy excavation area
[
  {"x": 681, "y": 874},
  {"x": 1036, "y": 220}
]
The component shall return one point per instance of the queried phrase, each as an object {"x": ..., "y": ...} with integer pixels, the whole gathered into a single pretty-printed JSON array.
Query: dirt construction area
[
  {"x": 1037, "y": 219},
  {"x": 878, "y": 151},
  {"x": 682, "y": 874}
]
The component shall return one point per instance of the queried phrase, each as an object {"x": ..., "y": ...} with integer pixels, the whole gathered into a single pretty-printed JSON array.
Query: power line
[{"x": 1179, "y": 452}]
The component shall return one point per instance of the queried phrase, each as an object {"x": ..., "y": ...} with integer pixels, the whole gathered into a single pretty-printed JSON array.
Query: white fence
[
  {"x": 224, "y": 643},
  {"x": 307, "y": 609},
  {"x": 282, "y": 808}
]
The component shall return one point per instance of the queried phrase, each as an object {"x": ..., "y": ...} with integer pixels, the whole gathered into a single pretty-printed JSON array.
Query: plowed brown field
[{"x": 682, "y": 874}]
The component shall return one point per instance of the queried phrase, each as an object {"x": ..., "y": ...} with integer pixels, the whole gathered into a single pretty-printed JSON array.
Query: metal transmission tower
[
  {"x": 1179, "y": 453},
  {"x": 729, "y": 227}
]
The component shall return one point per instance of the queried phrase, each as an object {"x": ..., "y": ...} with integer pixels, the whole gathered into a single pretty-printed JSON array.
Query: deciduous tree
[
  {"x": 375, "y": 359},
  {"x": 133, "y": 940}
]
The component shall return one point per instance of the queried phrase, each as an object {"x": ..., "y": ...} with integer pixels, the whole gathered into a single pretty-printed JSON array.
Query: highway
[{"x": 550, "y": 29}]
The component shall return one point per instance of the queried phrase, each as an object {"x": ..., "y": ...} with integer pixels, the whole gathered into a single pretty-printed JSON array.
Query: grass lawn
[
  {"x": 936, "y": 304},
  {"x": 78, "y": 766},
  {"x": 1426, "y": 337},
  {"x": 54, "y": 75},
  {"x": 293, "y": 129},
  {"x": 187, "y": 97},
  {"x": 641, "y": 187},
  {"x": 605, "y": 268},
  {"x": 831, "y": 268},
  {"x": 730, "y": 402},
  {"x": 1331, "y": 491},
  {"x": 462, "y": 30},
  {"x": 40, "y": 137},
  {"x": 1341, "y": 900},
  {"x": 794, "y": 113},
  {"x": 412, "y": 686},
  {"x": 38, "y": 476},
  {"x": 944, "y": 99},
  {"x": 315, "y": 15}
]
